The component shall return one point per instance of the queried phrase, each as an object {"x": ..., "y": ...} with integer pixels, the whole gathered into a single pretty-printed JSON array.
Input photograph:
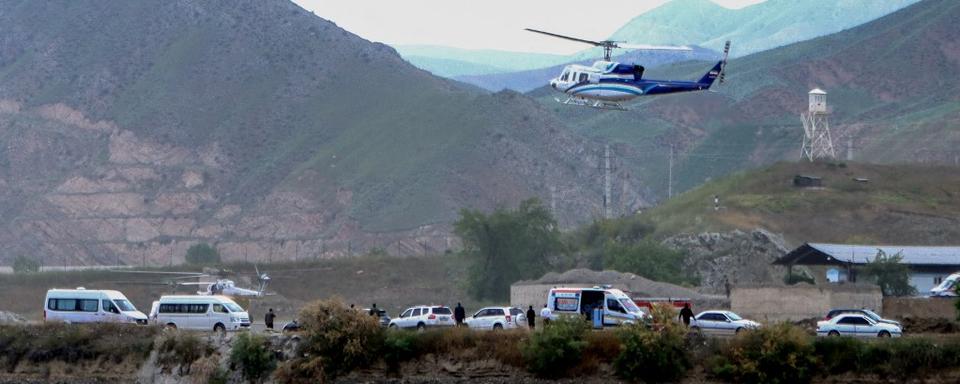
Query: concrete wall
[
  {"x": 802, "y": 301},
  {"x": 919, "y": 308}
]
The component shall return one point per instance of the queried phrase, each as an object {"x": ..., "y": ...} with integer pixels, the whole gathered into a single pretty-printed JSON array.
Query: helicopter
[
  {"x": 221, "y": 286},
  {"x": 606, "y": 84}
]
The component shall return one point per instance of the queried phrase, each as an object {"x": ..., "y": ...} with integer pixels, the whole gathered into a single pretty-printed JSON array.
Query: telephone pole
[
  {"x": 849, "y": 149},
  {"x": 606, "y": 181}
]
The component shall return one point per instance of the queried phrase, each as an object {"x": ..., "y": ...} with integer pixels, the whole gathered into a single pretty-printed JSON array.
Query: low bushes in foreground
[
  {"x": 654, "y": 356},
  {"x": 556, "y": 349},
  {"x": 73, "y": 343}
]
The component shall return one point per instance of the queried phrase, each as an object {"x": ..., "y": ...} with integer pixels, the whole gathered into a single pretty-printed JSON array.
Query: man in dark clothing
[
  {"x": 268, "y": 318},
  {"x": 374, "y": 311},
  {"x": 531, "y": 318},
  {"x": 686, "y": 314},
  {"x": 459, "y": 314}
]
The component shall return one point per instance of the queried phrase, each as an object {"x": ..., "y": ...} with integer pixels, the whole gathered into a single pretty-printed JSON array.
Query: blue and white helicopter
[{"x": 606, "y": 84}]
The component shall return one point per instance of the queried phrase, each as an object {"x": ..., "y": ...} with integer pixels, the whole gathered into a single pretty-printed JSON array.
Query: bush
[
  {"x": 778, "y": 354},
  {"x": 653, "y": 357},
  {"x": 23, "y": 264},
  {"x": 181, "y": 349},
  {"x": 839, "y": 354},
  {"x": 202, "y": 254},
  {"x": 398, "y": 347},
  {"x": 55, "y": 341},
  {"x": 557, "y": 348},
  {"x": 251, "y": 353},
  {"x": 336, "y": 340}
]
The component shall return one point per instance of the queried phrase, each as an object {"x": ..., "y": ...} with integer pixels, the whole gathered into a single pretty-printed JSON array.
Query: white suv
[
  {"x": 422, "y": 317},
  {"x": 497, "y": 318}
]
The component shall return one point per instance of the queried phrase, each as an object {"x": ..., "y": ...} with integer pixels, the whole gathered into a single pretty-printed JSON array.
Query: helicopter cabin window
[
  {"x": 583, "y": 77},
  {"x": 563, "y": 77}
]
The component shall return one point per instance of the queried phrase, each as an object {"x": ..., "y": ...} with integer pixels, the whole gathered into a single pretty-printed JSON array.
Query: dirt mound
[
  {"x": 923, "y": 325},
  {"x": 637, "y": 286}
]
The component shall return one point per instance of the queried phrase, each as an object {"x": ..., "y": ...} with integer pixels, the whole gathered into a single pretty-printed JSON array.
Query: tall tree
[
  {"x": 506, "y": 246},
  {"x": 890, "y": 274}
]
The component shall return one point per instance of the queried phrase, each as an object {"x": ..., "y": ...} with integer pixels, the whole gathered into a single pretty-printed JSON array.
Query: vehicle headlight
[{"x": 234, "y": 319}]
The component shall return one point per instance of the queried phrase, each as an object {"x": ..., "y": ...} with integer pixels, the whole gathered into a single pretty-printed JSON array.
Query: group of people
[{"x": 460, "y": 314}]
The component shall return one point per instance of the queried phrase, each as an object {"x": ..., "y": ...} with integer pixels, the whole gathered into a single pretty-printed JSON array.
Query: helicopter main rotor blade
[
  {"x": 591, "y": 42},
  {"x": 647, "y": 47}
]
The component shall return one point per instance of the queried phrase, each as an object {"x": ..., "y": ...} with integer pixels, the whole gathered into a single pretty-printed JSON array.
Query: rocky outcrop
[{"x": 732, "y": 258}]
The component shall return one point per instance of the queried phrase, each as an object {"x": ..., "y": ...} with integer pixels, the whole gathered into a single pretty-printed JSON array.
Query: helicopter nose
[{"x": 553, "y": 83}]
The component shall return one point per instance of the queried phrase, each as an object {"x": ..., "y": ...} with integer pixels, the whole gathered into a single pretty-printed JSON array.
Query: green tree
[
  {"x": 890, "y": 274},
  {"x": 648, "y": 259},
  {"x": 202, "y": 254},
  {"x": 506, "y": 246},
  {"x": 23, "y": 264}
]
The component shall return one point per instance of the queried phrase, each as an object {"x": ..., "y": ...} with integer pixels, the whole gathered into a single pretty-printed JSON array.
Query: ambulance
[{"x": 617, "y": 307}]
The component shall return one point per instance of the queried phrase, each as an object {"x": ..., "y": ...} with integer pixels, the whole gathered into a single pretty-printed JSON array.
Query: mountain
[
  {"x": 453, "y": 62},
  {"x": 892, "y": 90},
  {"x": 703, "y": 23},
  {"x": 133, "y": 130},
  {"x": 525, "y": 81}
]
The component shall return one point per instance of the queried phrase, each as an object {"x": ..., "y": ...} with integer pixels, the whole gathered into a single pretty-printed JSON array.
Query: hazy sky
[{"x": 490, "y": 24}]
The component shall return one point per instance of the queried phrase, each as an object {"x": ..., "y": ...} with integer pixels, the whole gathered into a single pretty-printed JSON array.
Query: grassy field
[
  {"x": 900, "y": 204},
  {"x": 392, "y": 283}
]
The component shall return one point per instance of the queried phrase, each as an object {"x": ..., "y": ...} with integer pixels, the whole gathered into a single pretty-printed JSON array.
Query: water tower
[{"x": 817, "y": 143}]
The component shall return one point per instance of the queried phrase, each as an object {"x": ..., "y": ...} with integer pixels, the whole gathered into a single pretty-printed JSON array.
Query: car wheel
[
  {"x": 883, "y": 334},
  {"x": 738, "y": 330},
  {"x": 170, "y": 326},
  {"x": 695, "y": 329},
  {"x": 219, "y": 328},
  {"x": 421, "y": 327},
  {"x": 833, "y": 333},
  {"x": 498, "y": 327},
  {"x": 393, "y": 326}
]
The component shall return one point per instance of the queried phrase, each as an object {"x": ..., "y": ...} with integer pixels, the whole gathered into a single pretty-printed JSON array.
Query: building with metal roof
[{"x": 928, "y": 265}]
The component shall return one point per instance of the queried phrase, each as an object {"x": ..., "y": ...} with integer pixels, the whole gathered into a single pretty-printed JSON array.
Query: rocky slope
[{"x": 131, "y": 130}]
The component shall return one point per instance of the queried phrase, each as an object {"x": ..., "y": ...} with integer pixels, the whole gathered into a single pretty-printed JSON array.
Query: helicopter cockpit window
[
  {"x": 564, "y": 76},
  {"x": 583, "y": 77}
]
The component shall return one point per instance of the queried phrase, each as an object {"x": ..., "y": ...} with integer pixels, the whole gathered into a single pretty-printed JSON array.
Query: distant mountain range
[
  {"x": 892, "y": 88},
  {"x": 130, "y": 130},
  {"x": 703, "y": 23}
]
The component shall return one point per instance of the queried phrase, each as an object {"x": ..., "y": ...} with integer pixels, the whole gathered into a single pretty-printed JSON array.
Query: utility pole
[
  {"x": 606, "y": 181},
  {"x": 670, "y": 174},
  {"x": 553, "y": 200},
  {"x": 849, "y": 149}
]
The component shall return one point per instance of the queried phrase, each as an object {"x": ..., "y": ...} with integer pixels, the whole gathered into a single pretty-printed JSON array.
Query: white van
[
  {"x": 618, "y": 308},
  {"x": 90, "y": 306},
  {"x": 217, "y": 313}
]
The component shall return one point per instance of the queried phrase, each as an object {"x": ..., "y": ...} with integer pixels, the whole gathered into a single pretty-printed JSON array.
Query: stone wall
[
  {"x": 919, "y": 308},
  {"x": 774, "y": 303}
]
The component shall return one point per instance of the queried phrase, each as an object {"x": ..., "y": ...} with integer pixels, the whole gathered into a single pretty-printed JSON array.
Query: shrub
[
  {"x": 181, "y": 349},
  {"x": 653, "y": 357},
  {"x": 398, "y": 347},
  {"x": 54, "y": 341},
  {"x": 23, "y": 264},
  {"x": 202, "y": 254},
  {"x": 839, "y": 354},
  {"x": 557, "y": 348},
  {"x": 778, "y": 354},
  {"x": 251, "y": 353},
  {"x": 336, "y": 340}
]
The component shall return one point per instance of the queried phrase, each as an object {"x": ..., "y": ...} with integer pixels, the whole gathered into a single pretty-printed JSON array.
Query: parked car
[
  {"x": 90, "y": 306},
  {"x": 217, "y": 313},
  {"x": 855, "y": 324},
  {"x": 422, "y": 317},
  {"x": 497, "y": 318},
  {"x": 866, "y": 312},
  {"x": 721, "y": 323},
  {"x": 382, "y": 315}
]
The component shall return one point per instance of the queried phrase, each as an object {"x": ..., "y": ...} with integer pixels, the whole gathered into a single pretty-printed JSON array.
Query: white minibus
[
  {"x": 617, "y": 307},
  {"x": 90, "y": 306},
  {"x": 217, "y": 313}
]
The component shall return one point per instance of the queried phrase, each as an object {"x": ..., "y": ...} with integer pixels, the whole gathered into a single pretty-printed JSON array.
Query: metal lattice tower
[{"x": 817, "y": 142}]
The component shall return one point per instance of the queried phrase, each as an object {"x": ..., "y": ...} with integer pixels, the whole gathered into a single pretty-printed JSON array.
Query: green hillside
[
  {"x": 453, "y": 62},
  {"x": 891, "y": 204},
  {"x": 891, "y": 88}
]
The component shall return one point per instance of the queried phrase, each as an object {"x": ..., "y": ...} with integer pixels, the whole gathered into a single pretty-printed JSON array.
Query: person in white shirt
[{"x": 546, "y": 315}]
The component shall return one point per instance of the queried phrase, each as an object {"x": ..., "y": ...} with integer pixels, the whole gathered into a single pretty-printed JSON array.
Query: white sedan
[
  {"x": 497, "y": 318},
  {"x": 849, "y": 324},
  {"x": 721, "y": 323}
]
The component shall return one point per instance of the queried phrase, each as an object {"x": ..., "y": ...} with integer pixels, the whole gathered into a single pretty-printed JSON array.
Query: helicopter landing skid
[{"x": 592, "y": 104}]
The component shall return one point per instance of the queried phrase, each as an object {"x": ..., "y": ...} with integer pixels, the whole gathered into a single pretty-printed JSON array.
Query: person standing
[
  {"x": 459, "y": 314},
  {"x": 374, "y": 311},
  {"x": 531, "y": 318},
  {"x": 546, "y": 315},
  {"x": 686, "y": 314},
  {"x": 268, "y": 318}
]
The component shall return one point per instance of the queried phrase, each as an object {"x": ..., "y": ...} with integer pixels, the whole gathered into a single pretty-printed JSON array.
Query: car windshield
[
  {"x": 871, "y": 314},
  {"x": 629, "y": 305},
  {"x": 442, "y": 311},
  {"x": 124, "y": 305},
  {"x": 733, "y": 316},
  {"x": 233, "y": 307}
]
